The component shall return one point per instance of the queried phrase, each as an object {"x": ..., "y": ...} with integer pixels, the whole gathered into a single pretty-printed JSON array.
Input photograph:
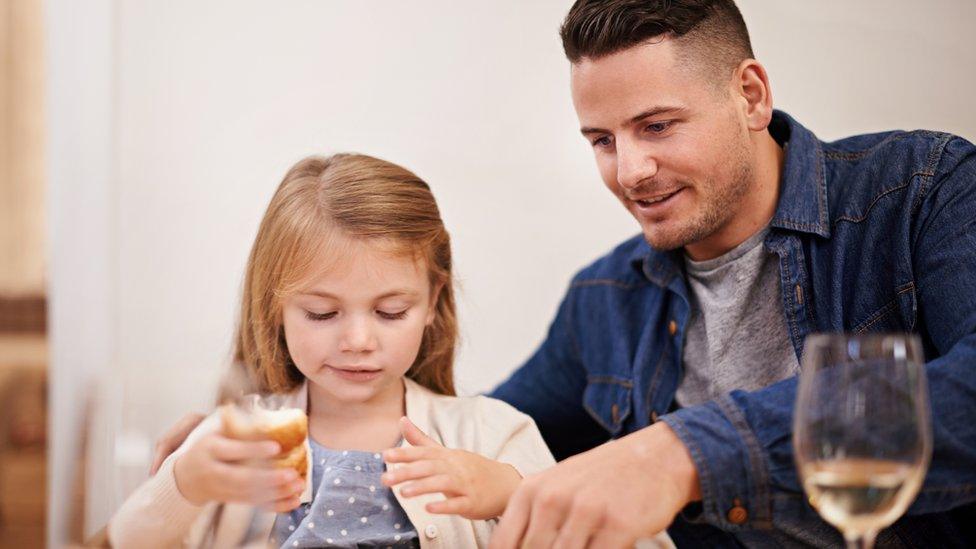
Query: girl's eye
[
  {"x": 319, "y": 316},
  {"x": 392, "y": 316}
]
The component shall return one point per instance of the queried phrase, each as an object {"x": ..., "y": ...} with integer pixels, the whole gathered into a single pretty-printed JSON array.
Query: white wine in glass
[{"x": 861, "y": 429}]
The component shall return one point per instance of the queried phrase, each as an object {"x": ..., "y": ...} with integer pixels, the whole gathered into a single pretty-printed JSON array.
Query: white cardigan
[{"x": 157, "y": 514}]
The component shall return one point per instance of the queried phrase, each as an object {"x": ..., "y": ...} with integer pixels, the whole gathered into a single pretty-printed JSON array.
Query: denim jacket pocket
[{"x": 607, "y": 399}]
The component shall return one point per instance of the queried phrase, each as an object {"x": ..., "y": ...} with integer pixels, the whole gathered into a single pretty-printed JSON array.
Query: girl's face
[{"x": 355, "y": 330}]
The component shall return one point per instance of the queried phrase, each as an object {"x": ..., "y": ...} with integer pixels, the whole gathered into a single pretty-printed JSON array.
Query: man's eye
[
  {"x": 392, "y": 316},
  {"x": 319, "y": 316},
  {"x": 659, "y": 127},
  {"x": 603, "y": 141}
]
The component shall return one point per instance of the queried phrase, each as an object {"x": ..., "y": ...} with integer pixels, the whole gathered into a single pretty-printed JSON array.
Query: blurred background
[{"x": 140, "y": 142}]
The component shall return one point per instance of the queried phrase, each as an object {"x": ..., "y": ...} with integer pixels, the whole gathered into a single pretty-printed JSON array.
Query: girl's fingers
[
  {"x": 412, "y": 453},
  {"x": 452, "y": 506},
  {"x": 283, "y": 505},
  {"x": 411, "y": 471},
  {"x": 251, "y": 483},
  {"x": 227, "y": 449},
  {"x": 436, "y": 484},
  {"x": 414, "y": 435}
]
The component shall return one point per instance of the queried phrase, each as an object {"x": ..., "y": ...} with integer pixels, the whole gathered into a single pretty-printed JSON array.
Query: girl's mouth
[{"x": 355, "y": 373}]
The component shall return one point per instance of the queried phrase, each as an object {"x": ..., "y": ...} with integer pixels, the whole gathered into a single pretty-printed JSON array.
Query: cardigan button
[
  {"x": 430, "y": 531},
  {"x": 672, "y": 327}
]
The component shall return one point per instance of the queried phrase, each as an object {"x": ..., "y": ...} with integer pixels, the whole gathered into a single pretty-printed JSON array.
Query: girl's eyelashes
[
  {"x": 382, "y": 314},
  {"x": 392, "y": 316},
  {"x": 319, "y": 316}
]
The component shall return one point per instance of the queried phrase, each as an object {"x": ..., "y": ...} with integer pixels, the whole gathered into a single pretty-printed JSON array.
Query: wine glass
[{"x": 861, "y": 429}]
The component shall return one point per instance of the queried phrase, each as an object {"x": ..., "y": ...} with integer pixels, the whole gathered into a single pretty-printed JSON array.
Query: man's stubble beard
[{"x": 721, "y": 205}]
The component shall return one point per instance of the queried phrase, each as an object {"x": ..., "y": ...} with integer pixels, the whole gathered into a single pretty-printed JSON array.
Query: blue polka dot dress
[{"x": 350, "y": 507}]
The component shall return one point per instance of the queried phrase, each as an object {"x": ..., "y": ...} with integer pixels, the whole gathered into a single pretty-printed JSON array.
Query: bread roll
[{"x": 287, "y": 427}]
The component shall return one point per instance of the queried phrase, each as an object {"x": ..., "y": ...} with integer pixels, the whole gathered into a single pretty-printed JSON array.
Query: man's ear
[{"x": 752, "y": 86}]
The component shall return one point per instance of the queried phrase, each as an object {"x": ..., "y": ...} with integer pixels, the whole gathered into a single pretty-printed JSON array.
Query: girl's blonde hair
[{"x": 319, "y": 200}]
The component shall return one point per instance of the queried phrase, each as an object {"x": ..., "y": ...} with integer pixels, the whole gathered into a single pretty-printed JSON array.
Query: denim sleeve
[
  {"x": 549, "y": 388},
  {"x": 741, "y": 443}
]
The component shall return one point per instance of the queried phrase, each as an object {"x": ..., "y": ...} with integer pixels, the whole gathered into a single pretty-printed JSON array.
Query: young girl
[{"x": 348, "y": 311}]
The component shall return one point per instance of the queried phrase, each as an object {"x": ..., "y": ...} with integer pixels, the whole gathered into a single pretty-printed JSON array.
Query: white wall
[
  {"x": 83, "y": 312},
  {"x": 212, "y": 101}
]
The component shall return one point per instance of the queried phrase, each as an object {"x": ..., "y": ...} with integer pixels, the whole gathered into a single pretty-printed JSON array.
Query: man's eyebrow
[{"x": 653, "y": 111}]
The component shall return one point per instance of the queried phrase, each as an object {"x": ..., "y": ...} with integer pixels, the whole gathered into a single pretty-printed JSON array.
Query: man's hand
[
  {"x": 610, "y": 496},
  {"x": 476, "y": 487},
  {"x": 174, "y": 438}
]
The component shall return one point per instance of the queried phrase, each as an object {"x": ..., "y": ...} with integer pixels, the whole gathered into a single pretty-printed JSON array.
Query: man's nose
[{"x": 634, "y": 164}]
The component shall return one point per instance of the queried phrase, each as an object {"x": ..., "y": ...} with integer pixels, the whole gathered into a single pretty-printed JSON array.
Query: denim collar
[{"x": 802, "y": 203}]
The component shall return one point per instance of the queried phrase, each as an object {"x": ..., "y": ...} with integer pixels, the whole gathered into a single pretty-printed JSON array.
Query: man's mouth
[{"x": 649, "y": 201}]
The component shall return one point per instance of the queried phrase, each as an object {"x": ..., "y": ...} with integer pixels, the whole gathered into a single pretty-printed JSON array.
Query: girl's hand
[
  {"x": 475, "y": 487},
  {"x": 217, "y": 468}
]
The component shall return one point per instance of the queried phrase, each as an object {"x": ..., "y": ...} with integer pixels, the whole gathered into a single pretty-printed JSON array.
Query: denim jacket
[{"x": 874, "y": 233}]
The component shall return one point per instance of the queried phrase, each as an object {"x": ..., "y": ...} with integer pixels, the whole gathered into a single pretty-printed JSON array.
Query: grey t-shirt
[{"x": 737, "y": 336}]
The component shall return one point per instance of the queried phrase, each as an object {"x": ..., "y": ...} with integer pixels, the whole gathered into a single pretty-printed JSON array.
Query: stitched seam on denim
[
  {"x": 709, "y": 504},
  {"x": 610, "y": 380},
  {"x": 910, "y": 287},
  {"x": 935, "y": 158},
  {"x": 604, "y": 282},
  {"x": 801, "y": 278},
  {"x": 757, "y": 461},
  {"x": 598, "y": 418},
  {"x": 574, "y": 345},
  {"x": 858, "y": 155},
  {"x": 822, "y": 217},
  {"x": 873, "y": 202},
  {"x": 790, "y": 224},
  {"x": 656, "y": 378},
  {"x": 883, "y": 311},
  {"x": 613, "y": 430},
  {"x": 788, "y": 297}
]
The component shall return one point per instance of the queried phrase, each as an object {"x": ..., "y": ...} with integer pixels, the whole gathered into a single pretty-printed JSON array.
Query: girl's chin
[{"x": 345, "y": 391}]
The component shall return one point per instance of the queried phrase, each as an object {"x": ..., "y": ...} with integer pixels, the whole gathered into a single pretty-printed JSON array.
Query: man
[
  {"x": 682, "y": 344},
  {"x": 686, "y": 339}
]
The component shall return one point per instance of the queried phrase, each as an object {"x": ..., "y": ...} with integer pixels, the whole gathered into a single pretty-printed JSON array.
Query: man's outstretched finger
[
  {"x": 579, "y": 527},
  {"x": 611, "y": 539},
  {"x": 513, "y": 521},
  {"x": 545, "y": 520}
]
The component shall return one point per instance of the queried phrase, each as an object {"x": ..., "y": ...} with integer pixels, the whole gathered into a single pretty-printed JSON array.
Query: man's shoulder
[
  {"x": 620, "y": 266},
  {"x": 863, "y": 168},
  {"x": 914, "y": 151}
]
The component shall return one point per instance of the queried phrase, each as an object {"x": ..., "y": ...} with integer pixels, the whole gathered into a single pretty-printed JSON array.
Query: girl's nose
[{"x": 358, "y": 336}]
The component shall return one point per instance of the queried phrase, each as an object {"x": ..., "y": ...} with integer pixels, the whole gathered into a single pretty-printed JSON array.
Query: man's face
[{"x": 672, "y": 145}]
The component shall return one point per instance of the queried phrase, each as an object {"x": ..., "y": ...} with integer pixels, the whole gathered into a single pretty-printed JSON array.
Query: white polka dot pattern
[{"x": 350, "y": 507}]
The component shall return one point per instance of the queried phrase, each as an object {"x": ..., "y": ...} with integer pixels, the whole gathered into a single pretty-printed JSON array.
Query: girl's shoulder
[{"x": 464, "y": 419}]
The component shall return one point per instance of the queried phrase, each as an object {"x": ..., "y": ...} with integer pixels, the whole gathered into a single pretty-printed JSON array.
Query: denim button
[
  {"x": 672, "y": 327},
  {"x": 737, "y": 514}
]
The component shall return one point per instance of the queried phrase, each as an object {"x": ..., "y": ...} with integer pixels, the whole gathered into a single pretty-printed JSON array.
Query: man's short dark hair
[{"x": 710, "y": 30}]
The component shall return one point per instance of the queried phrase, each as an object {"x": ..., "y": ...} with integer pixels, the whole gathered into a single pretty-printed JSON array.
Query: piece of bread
[{"x": 287, "y": 427}]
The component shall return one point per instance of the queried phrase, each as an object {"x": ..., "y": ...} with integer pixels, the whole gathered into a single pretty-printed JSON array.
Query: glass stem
[{"x": 864, "y": 541}]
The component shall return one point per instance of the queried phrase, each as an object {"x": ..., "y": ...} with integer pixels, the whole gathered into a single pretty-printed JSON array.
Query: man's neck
[{"x": 757, "y": 207}]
